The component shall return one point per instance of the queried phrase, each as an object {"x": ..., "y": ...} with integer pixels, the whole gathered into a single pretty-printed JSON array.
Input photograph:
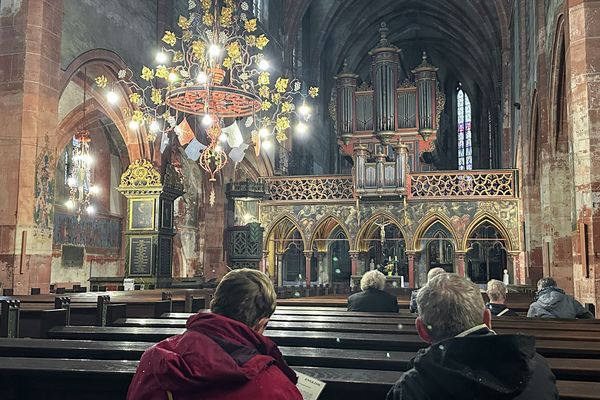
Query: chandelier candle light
[
  {"x": 215, "y": 70},
  {"x": 79, "y": 181}
]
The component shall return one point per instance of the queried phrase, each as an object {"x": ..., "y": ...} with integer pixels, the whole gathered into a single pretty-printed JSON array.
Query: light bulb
[
  {"x": 263, "y": 132},
  {"x": 154, "y": 126},
  {"x": 94, "y": 189},
  {"x": 223, "y": 137},
  {"x": 69, "y": 204},
  {"x": 90, "y": 209},
  {"x": 218, "y": 148},
  {"x": 202, "y": 78},
  {"x": 207, "y": 120},
  {"x": 266, "y": 145},
  {"x": 301, "y": 128},
  {"x": 112, "y": 97},
  {"x": 263, "y": 64},
  {"x": 214, "y": 50},
  {"x": 173, "y": 76},
  {"x": 161, "y": 57},
  {"x": 134, "y": 125},
  {"x": 71, "y": 181},
  {"x": 304, "y": 110},
  {"x": 87, "y": 159}
]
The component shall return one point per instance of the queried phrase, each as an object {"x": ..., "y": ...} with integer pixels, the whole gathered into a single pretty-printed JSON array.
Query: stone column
[
  {"x": 30, "y": 78},
  {"x": 411, "y": 268},
  {"x": 279, "y": 268},
  {"x": 583, "y": 66},
  {"x": 265, "y": 262},
  {"x": 460, "y": 263},
  {"x": 308, "y": 255},
  {"x": 354, "y": 259},
  {"x": 322, "y": 268}
]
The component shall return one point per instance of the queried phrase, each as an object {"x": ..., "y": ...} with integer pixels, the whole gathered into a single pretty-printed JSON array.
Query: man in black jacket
[
  {"x": 373, "y": 298},
  {"x": 466, "y": 359}
]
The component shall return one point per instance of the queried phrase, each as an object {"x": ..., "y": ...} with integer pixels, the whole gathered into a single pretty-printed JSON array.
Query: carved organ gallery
[{"x": 395, "y": 212}]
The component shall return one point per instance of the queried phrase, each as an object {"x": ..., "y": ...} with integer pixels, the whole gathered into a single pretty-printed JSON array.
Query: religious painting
[
  {"x": 141, "y": 214},
  {"x": 140, "y": 256}
]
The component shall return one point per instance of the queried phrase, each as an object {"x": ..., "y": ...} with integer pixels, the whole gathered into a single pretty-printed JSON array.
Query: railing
[
  {"x": 463, "y": 184},
  {"x": 310, "y": 188}
]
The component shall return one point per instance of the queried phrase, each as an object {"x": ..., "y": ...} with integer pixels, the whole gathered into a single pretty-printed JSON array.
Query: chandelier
[
  {"x": 215, "y": 70},
  {"x": 79, "y": 178}
]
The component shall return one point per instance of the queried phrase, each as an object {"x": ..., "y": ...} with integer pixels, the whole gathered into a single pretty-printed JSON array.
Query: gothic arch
[
  {"x": 103, "y": 62},
  {"x": 534, "y": 138},
  {"x": 497, "y": 224},
  {"x": 427, "y": 222},
  {"x": 558, "y": 80},
  {"x": 322, "y": 224},
  {"x": 360, "y": 236},
  {"x": 281, "y": 218}
]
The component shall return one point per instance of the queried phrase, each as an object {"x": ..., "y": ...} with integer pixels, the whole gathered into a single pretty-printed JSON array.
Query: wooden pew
[
  {"x": 307, "y": 338},
  {"x": 54, "y": 378}
]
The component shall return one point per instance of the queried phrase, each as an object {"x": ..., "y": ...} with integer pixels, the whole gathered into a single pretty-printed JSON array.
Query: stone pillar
[
  {"x": 308, "y": 255},
  {"x": 265, "y": 262},
  {"x": 460, "y": 263},
  {"x": 354, "y": 259},
  {"x": 583, "y": 65},
  {"x": 323, "y": 277},
  {"x": 30, "y": 78},
  {"x": 411, "y": 269}
]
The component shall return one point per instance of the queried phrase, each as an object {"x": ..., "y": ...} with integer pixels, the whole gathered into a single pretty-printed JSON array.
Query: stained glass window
[
  {"x": 463, "y": 112},
  {"x": 257, "y": 8}
]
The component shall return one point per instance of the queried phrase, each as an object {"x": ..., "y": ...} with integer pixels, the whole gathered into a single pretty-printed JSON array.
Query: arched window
[
  {"x": 463, "y": 117},
  {"x": 259, "y": 7}
]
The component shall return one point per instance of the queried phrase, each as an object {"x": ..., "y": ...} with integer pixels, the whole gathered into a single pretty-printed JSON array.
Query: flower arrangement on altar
[{"x": 215, "y": 68}]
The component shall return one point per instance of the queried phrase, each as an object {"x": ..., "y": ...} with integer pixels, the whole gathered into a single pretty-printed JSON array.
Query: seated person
[
  {"x": 466, "y": 359},
  {"x": 223, "y": 354},
  {"x": 413, "y": 296},
  {"x": 552, "y": 302},
  {"x": 496, "y": 291},
  {"x": 373, "y": 298}
]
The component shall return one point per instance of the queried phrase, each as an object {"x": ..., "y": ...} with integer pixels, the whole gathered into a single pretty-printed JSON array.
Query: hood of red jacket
[{"x": 214, "y": 351}]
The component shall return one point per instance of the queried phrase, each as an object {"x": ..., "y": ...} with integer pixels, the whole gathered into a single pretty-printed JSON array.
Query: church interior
[{"x": 151, "y": 146}]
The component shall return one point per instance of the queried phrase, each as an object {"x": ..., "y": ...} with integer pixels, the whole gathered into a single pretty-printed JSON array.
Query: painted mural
[
  {"x": 413, "y": 218},
  {"x": 93, "y": 233},
  {"x": 44, "y": 189}
]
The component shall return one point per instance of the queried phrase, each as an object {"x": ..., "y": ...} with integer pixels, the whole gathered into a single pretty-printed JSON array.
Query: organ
[{"x": 388, "y": 125}]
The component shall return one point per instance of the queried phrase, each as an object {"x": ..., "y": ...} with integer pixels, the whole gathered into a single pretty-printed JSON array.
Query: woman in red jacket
[{"x": 223, "y": 354}]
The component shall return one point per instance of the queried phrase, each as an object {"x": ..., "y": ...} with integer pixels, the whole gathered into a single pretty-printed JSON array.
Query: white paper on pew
[{"x": 309, "y": 387}]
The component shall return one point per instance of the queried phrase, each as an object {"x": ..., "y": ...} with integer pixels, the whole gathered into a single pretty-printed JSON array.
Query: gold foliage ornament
[
  {"x": 140, "y": 173},
  {"x": 213, "y": 68}
]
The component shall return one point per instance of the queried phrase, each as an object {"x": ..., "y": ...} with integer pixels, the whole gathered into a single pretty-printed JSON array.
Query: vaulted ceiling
[{"x": 464, "y": 38}]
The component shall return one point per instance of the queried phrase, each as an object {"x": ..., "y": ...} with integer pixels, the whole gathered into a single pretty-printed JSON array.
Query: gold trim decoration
[{"x": 141, "y": 173}]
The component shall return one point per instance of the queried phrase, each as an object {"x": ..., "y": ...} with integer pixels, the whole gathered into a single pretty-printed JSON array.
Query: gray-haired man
[{"x": 466, "y": 360}]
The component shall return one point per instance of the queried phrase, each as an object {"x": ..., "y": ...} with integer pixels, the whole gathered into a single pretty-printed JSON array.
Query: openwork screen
[
  {"x": 311, "y": 188},
  {"x": 463, "y": 112},
  {"x": 463, "y": 184}
]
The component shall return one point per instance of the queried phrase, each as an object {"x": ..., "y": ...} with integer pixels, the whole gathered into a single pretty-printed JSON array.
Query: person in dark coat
[
  {"x": 223, "y": 354},
  {"x": 496, "y": 291},
  {"x": 413, "y": 296},
  {"x": 552, "y": 302},
  {"x": 466, "y": 359},
  {"x": 373, "y": 298}
]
